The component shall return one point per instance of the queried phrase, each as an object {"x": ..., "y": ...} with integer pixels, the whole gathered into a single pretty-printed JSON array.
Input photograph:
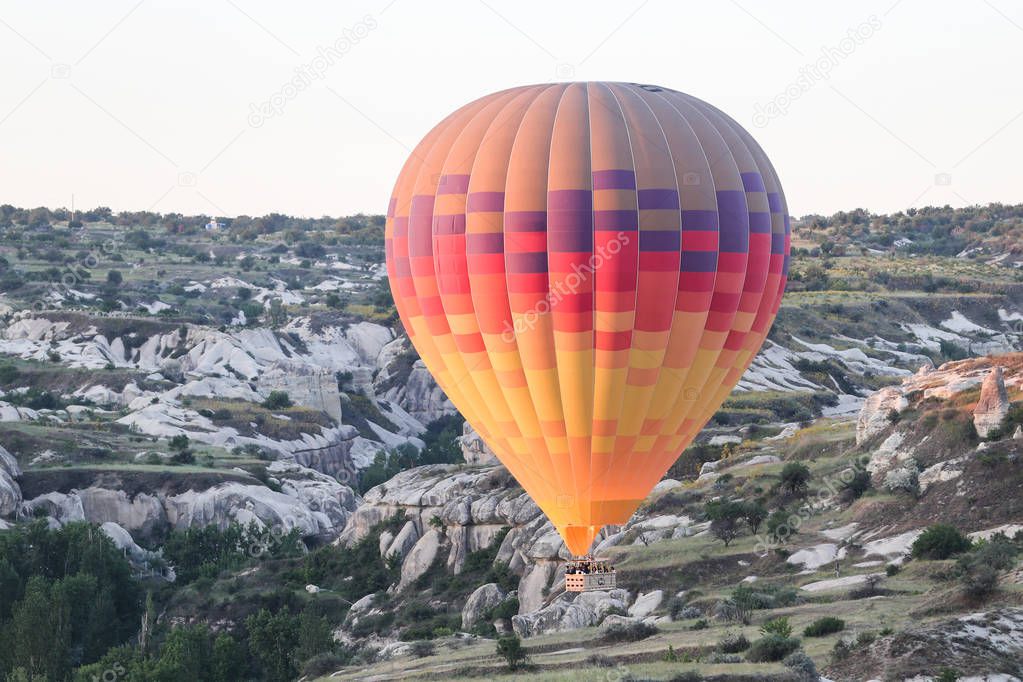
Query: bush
[
  {"x": 980, "y": 580},
  {"x": 771, "y": 648},
  {"x": 802, "y": 665},
  {"x": 859, "y": 484},
  {"x": 940, "y": 541},
  {"x": 824, "y": 626},
  {"x": 510, "y": 649},
  {"x": 423, "y": 648},
  {"x": 891, "y": 569},
  {"x": 733, "y": 643},
  {"x": 277, "y": 400},
  {"x": 322, "y": 665},
  {"x": 777, "y": 626},
  {"x": 628, "y": 632}
]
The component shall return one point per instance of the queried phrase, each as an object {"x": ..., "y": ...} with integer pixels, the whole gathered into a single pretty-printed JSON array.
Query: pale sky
[{"x": 155, "y": 105}]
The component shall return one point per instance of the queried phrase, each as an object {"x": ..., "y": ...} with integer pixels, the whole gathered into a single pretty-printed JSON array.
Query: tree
[
  {"x": 115, "y": 277},
  {"x": 779, "y": 527},
  {"x": 277, "y": 400},
  {"x": 278, "y": 313},
  {"x": 178, "y": 442},
  {"x": 754, "y": 514},
  {"x": 511, "y": 650},
  {"x": 272, "y": 641},
  {"x": 795, "y": 477},
  {"x": 725, "y": 517},
  {"x": 939, "y": 541}
]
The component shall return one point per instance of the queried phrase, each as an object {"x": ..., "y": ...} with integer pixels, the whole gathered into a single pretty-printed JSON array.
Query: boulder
[
  {"x": 483, "y": 599},
  {"x": 646, "y": 603},
  {"x": 404, "y": 541},
  {"x": 875, "y": 415},
  {"x": 420, "y": 558},
  {"x": 993, "y": 404},
  {"x": 571, "y": 611},
  {"x": 474, "y": 449}
]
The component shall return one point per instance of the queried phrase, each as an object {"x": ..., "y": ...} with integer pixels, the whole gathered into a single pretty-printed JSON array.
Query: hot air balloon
[{"x": 587, "y": 269}]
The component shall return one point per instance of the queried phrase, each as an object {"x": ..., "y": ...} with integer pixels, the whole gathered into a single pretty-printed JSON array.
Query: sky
[{"x": 189, "y": 106}]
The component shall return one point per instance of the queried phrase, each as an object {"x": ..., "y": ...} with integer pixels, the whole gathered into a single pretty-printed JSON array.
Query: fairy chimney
[{"x": 993, "y": 404}]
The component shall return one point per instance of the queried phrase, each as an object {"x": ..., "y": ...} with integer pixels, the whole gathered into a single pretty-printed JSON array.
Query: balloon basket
[{"x": 589, "y": 574}]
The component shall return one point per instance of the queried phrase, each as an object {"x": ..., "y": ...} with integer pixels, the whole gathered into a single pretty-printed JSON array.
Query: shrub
[
  {"x": 771, "y": 648},
  {"x": 802, "y": 665},
  {"x": 321, "y": 665},
  {"x": 859, "y": 484},
  {"x": 904, "y": 479},
  {"x": 777, "y": 626},
  {"x": 980, "y": 580},
  {"x": 701, "y": 624},
  {"x": 506, "y": 609},
  {"x": 940, "y": 541},
  {"x": 733, "y": 643},
  {"x": 629, "y": 632},
  {"x": 718, "y": 657},
  {"x": 277, "y": 400},
  {"x": 511, "y": 650},
  {"x": 891, "y": 569},
  {"x": 824, "y": 626},
  {"x": 865, "y": 638},
  {"x": 423, "y": 648}
]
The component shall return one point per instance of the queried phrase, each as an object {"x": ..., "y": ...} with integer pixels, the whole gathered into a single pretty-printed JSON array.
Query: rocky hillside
[{"x": 240, "y": 414}]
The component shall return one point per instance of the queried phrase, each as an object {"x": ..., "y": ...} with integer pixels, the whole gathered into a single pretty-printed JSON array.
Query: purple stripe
[
  {"x": 699, "y": 261},
  {"x": 400, "y": 226},
  {"x": 480, "y": 202},
  {"x": 759, "y": 222},
  {"x": 486, "y": 242},
  {"x": 753, "y": 182},
  {"x": 422, "y": 204},
  {"x": 570, "y": 200},
  {"x": 699, "y": 220},
  {"x": 777, "y": 243},
  {"x": 785, "y": 267},
  {"x": 391, "y": 205},
  {"x": 734, "y": 236},
  {"x": 575, "y": 221},
  {"x": 658, "y": 199},
  {"x": 614, "y": 179},
  {"x": 616, "y": 219},
  {"x": 449, "y": 224},
  {"x": 402, "y": 268},
  {"x": 453, "y": 184},
  {"x": 525, "y": 221},
  {"x": 660, "y": 240},
  {"x": 523, "y": 263},
  {"x": 570, "y": 241},
  {"x": 774, "y": 202}
]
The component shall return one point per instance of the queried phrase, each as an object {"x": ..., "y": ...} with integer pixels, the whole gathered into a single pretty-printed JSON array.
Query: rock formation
[
  {"x": 10, "y": 491},
  {"x": 993, "y": 404},
  {"x": 474, "y": 449}
]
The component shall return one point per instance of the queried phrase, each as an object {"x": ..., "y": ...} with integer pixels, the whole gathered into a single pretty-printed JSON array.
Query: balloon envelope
[{"x": 587, "y": 269}]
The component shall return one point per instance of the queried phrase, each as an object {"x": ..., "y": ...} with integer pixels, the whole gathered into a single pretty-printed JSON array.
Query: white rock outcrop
[
  {"x": 10, "y": 491},
  {"x": 483, "y": 599},
  {"x": 993, "y": 404}
]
